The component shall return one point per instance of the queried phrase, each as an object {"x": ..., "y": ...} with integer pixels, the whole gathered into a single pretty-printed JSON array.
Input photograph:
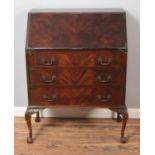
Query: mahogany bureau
[{"x": 76, "y": 58}]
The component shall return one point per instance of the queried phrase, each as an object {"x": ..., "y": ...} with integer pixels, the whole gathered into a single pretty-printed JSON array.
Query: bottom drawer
[{"x": 76, "y": 96}]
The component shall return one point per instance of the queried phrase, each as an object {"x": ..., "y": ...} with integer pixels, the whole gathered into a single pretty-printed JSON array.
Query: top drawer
[{"x": 76, "y": 58}]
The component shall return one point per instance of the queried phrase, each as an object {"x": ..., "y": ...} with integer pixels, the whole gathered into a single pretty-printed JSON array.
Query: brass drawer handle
[
  {"x": 108, "y": 78},
  {"x": 53, "y": 61},
  {"x": 46, "y": 80},
  {"x": 104, "y": 99},
  {"x": 101, "y": 61},
  {"x": 52, "y": 99}
]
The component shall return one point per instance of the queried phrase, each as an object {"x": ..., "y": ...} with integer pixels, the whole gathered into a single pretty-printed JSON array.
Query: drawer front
[
  {"x": 68, "y": 59},
  {"x": 111, "y": 58},
  {"x": 75, "y": 96},
  {"x": 77, "y": 58},
  {"x": 76, "y": 76},
  {"x": 108, "y": 96}
]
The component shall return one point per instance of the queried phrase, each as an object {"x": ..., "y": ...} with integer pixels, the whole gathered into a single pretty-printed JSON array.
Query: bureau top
[{"x": 76, "y": 29}]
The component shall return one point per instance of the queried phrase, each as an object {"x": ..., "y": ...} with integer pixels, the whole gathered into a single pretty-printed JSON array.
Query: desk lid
[{"x": 76, "y": 29}]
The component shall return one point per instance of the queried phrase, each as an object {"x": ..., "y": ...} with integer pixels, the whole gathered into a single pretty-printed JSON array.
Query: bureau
[{"x": 76, "y": 58}]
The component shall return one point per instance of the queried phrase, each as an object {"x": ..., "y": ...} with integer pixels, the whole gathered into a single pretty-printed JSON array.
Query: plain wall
[{"x": 132, "y": 7}]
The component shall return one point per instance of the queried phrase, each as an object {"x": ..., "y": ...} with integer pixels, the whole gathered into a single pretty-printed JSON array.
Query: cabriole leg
[
  {"x": 37, "y": 119},
  {"x": 124, "y": 114},
  {"x": 29, "y": 112}
]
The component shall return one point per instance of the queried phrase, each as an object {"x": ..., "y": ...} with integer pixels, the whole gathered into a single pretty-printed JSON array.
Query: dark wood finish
[
  {"x": 97, "y": 97},
  {"x": 76, "y": 30},
  {"x": 37, "y": 119},
  {"x": 76, "y": 76},
  {"x": 76, "y": 59}
]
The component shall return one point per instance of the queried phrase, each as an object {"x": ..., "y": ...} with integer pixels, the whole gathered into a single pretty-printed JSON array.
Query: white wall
[{"x": 132, "y": 8}]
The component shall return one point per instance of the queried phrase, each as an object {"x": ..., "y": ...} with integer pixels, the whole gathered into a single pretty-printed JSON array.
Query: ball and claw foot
[
  {"x": 123, "y": 140},
  {"x": 29, "y": 140}
]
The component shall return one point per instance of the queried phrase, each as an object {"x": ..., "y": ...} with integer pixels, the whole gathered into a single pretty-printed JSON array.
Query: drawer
[
  {"x": 74, "y": 96},
  {"x": 76, "y": 58},
  {"x": 76, "y": 76},
  {"x": 111, "y": 58},
  {"x": 64, "y": 59},
  {"x": 108, "y": 96}
]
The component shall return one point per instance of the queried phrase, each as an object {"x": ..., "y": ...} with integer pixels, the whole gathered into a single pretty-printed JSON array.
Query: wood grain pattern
[
  {"x": 76, "y": 30},
  {"x": 76, "y": 58},
  {"x": 77, "y": 96},
  {"x": 76, "y": 76},
  {"x": 77, "y": 137}
]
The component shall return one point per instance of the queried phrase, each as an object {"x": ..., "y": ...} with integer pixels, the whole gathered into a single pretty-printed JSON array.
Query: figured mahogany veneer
[
  {"x": 76, "y": 59},
  {"x": 100, "y": 96},
  {"x": 76, "y": 30},
  {"x": 76, "y": 76}
]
